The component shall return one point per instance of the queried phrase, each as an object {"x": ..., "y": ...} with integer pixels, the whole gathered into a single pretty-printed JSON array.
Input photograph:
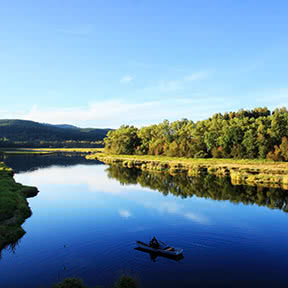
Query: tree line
[{"x": 257, "y": 133}]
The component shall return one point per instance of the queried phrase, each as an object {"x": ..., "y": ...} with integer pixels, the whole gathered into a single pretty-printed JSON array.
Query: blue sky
[{"x": 105, "y": 63}]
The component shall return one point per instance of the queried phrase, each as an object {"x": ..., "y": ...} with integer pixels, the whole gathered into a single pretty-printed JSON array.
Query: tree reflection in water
[{"x": 208, "y": 186}]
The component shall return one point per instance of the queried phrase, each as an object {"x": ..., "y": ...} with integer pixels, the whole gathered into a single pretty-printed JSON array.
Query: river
[{"x": 87, "y": 217}]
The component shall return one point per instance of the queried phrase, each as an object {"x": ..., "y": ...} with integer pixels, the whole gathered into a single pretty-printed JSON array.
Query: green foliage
[
  {"x": 284, "y": 148},
  {"x": 126, "y": 281},
  {"x": 243, "y": 134},
  {"x": 122, "y": 141},
  {"x": 280, "y": 153},
  {"x": 70, "y": 283},
  {"x": 14, "y": 207}
]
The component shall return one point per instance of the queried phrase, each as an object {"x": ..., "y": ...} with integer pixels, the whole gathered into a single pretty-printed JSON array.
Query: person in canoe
[{"x": 154, "y": 243}]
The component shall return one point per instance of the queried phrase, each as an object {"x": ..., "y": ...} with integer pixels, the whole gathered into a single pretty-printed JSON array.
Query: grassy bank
[
  {"x": 251, "y": 172},
  {"x": 14, "y": 207},
  {"x": 47, "y": 151}
]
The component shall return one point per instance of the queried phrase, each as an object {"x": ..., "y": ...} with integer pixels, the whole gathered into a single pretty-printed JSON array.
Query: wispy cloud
[
  {"x": 178, "y": 209},
  {"x": 274, "y": 98},
  {"x": 196, "y": 218},
  {"x": 113, "y": 113},
  {"x": 85, "y": 175},
  {"x": 197, "y": 76},
  {"x": 126, "y": 79},
  {"x": 171, "y": 85},
  {"x": 125, "y": 213},
  {"x": 181, "y": 83}
]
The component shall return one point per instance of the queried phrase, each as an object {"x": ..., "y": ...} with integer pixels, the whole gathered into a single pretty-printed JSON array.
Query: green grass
[
  {"x": 45, "y": 151},
  {"x": 14, "y": 207},
  {"x": 208, "y": 161}
]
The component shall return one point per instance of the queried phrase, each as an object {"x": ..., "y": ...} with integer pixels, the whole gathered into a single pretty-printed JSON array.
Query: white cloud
[
  {"x": 171, "y": 85},
  {"x": 273, "y": 98},
  {"x": 179, "y": 84},
  {"x": 177, "y": 209},
  {"x": 197, "y": 76},
  {"x": 125, "y": 213},
  {"x": 113, "y": 113},
  {"x": 196, "y": 218},
  {"x": 127, "y": 79},
  {"x": 95, "y": 178},
  {"x": 76, "y": 175}
]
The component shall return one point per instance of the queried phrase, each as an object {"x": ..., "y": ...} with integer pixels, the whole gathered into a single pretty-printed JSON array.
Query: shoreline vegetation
[
  {"x": 124, "y": 281},
  {"x": 76, "y": 150},
  {"x": 245, "y": 134},
  {"x": 45, "y": 151},
  {"x": 14, "y": 208},
  {"x": 251, "y": 172},
  {"x": 249, "y": 146}
]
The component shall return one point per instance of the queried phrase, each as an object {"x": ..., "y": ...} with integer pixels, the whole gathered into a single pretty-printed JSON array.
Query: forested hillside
[
  {"x": 256, "y": 133},
  {"x": 22, "y": 133}
]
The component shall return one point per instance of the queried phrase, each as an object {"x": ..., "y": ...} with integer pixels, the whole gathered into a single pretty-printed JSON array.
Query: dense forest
[
  {"x": 22, "y": 133},
  {"x": 257, "y": 133}
]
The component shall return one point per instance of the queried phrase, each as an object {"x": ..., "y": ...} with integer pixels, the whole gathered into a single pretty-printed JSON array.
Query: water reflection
[
  {"x": 154, "y": 255},
  {"x": 25, "y": 163},
  {"x": 85, "y": 224},
  {"x": 10, "y": 246},
  {"x": 208, "y": 186},
  {"x": 10, "y": 235}
]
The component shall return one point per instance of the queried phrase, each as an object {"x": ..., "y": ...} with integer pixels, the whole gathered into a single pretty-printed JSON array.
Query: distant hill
[
  {"x": 30, "y": 132},
  {"x": 62, "y": 126}
]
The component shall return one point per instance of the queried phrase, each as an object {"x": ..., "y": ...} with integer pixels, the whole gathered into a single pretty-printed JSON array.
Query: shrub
[
  {"x": 70, "y": 283},
  {"x": 126, "y": 281}
]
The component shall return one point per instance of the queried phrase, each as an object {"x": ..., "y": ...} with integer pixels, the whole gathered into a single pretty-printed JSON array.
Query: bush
[
  {"x": 126, "y": 281},
  {"x": 70, "y": 283}
]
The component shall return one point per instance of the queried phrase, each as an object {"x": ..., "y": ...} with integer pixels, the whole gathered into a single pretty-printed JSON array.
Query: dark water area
[
  {"x": 23, "y": 163},
  {"x": 87, "y": 217}
]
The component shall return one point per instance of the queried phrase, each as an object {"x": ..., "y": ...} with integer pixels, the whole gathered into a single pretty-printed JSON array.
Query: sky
[{"x": 104, "y": 63}]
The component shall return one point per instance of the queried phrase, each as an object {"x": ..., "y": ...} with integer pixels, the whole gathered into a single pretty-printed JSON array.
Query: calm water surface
[{"x": 85, "y": 223}]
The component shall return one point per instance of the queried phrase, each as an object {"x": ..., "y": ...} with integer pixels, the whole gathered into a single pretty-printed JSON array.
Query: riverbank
[
  {"x": 76, "y": 150},
  {"x": 250, "y": 172},
  {"x": 44, "y": 151},
  {"x": 14, "y": 208}
]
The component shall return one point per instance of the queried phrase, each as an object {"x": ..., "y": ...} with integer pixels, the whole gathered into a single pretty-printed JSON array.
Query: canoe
[
  {"x": 163, "y": 248},
  {"x": 155, "y": 255}
]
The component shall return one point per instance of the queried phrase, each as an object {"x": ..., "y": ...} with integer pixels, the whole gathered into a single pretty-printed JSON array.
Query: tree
[
  {"x": 242, "y": 134},
  {"x": 284, "y": 148},
  {"x": 122, "y": 141}
]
